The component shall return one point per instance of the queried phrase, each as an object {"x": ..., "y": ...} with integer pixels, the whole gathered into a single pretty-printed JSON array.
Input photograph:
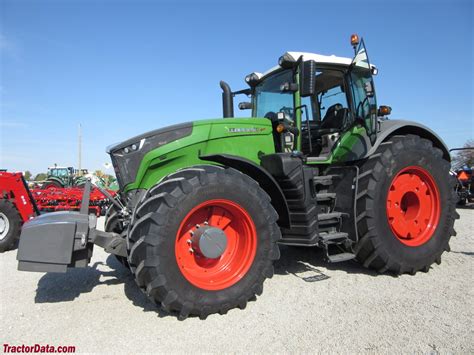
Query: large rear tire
[
  {"x": 405, "y": 206},
  {"x": 10, "y": 225},
  {"x": 216, "y": 203},
  {"x": 51, "y": 184}
]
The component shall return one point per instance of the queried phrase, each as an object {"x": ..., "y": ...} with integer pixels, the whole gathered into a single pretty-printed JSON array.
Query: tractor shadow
[
  {"x": 309, "y": 264},
  {"x": 54, "y": 287},
  {"x": 469, "y": 206},
  {"x": 467, "y": 253},
  {"x": 58, "y": 287}
]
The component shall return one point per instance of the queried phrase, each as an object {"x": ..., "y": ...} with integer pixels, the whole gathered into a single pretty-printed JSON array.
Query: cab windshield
[
  {"x": 60, "y": 172},
  {"x": 269, "y": 97}
]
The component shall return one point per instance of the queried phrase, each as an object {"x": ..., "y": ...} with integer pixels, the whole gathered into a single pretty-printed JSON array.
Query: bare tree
[{"x": 464, "y": 157}]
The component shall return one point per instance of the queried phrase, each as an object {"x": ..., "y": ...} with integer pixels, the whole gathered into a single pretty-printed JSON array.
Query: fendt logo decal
[{"x": 246, "y": 130}]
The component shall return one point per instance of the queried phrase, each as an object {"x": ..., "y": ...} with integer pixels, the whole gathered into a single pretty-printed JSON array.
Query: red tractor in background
[{"x": 17, "y": 205}]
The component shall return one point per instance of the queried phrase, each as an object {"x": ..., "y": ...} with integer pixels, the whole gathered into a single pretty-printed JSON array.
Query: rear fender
[{"x": 391, "y": 128}]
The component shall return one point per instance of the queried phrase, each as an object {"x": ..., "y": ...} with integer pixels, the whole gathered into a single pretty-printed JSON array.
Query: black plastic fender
[
  {"x": 264, "y": 179},
  {"x": 393, "y": 127}
]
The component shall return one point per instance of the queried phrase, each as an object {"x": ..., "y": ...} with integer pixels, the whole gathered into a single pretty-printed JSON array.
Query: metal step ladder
[{"x": 334, "y": 242}]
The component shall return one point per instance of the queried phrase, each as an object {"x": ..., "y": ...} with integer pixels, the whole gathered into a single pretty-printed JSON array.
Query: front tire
[
  {"x": 405, "y": 206},
  {"x": 114, "y": 222},
  {"x": 10, "y": 225},
  {"x": 169, "y": 266}
]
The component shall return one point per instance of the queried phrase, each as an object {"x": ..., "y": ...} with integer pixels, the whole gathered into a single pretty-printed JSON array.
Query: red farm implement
[
  {"x": 55, "y": 199},
  {"x": 18, "y": 204},
  {"x": 16, "y": 207}
]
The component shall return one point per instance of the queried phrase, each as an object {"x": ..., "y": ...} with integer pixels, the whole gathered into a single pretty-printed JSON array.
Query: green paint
[
  {"x": 343, "y": 150},
  {"x": 244, "y": 137}
]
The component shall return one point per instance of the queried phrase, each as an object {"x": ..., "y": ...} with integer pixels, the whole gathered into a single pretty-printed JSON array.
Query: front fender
[
  {"x": 390, "y": 128},
  {"x": 264, "y": 179}
]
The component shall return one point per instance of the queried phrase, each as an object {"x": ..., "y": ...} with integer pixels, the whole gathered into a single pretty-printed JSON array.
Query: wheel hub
[
  {"x": 209, "y": 241},
  {"x": 216, "y": 244},
  {"x": 413, "y": 206},
  {"x": 4, "y": 225}
]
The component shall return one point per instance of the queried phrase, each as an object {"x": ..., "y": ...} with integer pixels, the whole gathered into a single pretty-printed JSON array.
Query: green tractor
[
  {"x": 61, "y": 176},
  {"x": 205, "y": 205}
]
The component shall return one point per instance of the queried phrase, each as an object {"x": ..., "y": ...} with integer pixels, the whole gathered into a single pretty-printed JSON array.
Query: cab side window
[
  {"x": 309, "y": 103},
  {"x": 330, "y": 98}
]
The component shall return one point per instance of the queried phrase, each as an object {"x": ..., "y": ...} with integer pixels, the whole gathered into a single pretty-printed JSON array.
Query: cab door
[{"x": 364, "y": 103}]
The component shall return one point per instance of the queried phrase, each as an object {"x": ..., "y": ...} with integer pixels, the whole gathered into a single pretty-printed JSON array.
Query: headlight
[
  {"x": 134, "y": 147},
  {"x": 253, "y": 79},
  {"x": 286, "y": 61}
]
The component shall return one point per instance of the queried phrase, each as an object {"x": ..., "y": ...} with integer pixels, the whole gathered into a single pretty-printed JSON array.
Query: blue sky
[{"x": 121, "y": 68}]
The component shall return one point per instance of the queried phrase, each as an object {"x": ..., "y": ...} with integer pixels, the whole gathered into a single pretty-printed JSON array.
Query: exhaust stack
[{"x": 227, "y": 100}]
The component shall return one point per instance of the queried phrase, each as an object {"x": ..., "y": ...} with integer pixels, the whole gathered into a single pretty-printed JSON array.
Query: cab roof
[{"x": 318, "y": 58}]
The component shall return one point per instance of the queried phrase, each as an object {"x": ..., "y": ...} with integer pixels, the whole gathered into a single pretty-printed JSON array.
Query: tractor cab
[
  {"x": 321, "y": 106},
  {"x": 60, "y": 172},
  {"x": 60, "y": 176}
]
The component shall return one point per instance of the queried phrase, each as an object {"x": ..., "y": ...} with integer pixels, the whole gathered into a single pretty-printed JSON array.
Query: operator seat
[
  {"x": 333, "y": 122},
  {"x": 334, "y": 117}
]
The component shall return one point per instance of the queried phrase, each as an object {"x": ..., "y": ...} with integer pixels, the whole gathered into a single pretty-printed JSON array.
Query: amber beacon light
[{"x": 354, "y": 40}]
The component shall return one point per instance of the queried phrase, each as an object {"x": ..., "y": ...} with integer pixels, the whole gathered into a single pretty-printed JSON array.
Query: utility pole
[{"x": 79, "y": 163}]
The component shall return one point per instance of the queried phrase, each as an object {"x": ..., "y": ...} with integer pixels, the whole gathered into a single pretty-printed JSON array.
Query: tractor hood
[
  {"x": 151, "y": 152},
  {"x": 127, "y": 156}
]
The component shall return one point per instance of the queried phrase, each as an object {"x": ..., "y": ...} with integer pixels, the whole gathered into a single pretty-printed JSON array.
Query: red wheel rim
[
  {"x": 413, "y": 206},
  {"x": 237, "y": 258}
]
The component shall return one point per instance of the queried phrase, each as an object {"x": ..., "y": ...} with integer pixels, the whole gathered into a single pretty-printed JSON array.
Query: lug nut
[
  {"x": 189, "y": 241},
  {"x": 206, "y": 223},
  {"x": 191, "y": 250}
]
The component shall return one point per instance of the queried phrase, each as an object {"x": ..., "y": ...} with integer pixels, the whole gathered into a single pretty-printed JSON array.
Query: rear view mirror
[
  {"x": 289, "y": 87},
  {"x": 307, "y": 78},
  {"x": 369, "y": 90},
  {"x": 245, "y": 106}
]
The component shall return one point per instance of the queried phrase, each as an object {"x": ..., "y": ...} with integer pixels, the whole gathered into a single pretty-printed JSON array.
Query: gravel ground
[{"x": 308, "y": 306}]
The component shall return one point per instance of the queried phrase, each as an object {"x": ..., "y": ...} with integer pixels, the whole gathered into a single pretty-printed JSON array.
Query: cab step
[
  {"x": 325, "y": 180},
  {"x": 333, "y": 237},
  {"x": 337, "y": 258},
  {"x": 336, "y": 245},
  {"x": 331, "y": 215},
  {"x": 325, "y": 196}
]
